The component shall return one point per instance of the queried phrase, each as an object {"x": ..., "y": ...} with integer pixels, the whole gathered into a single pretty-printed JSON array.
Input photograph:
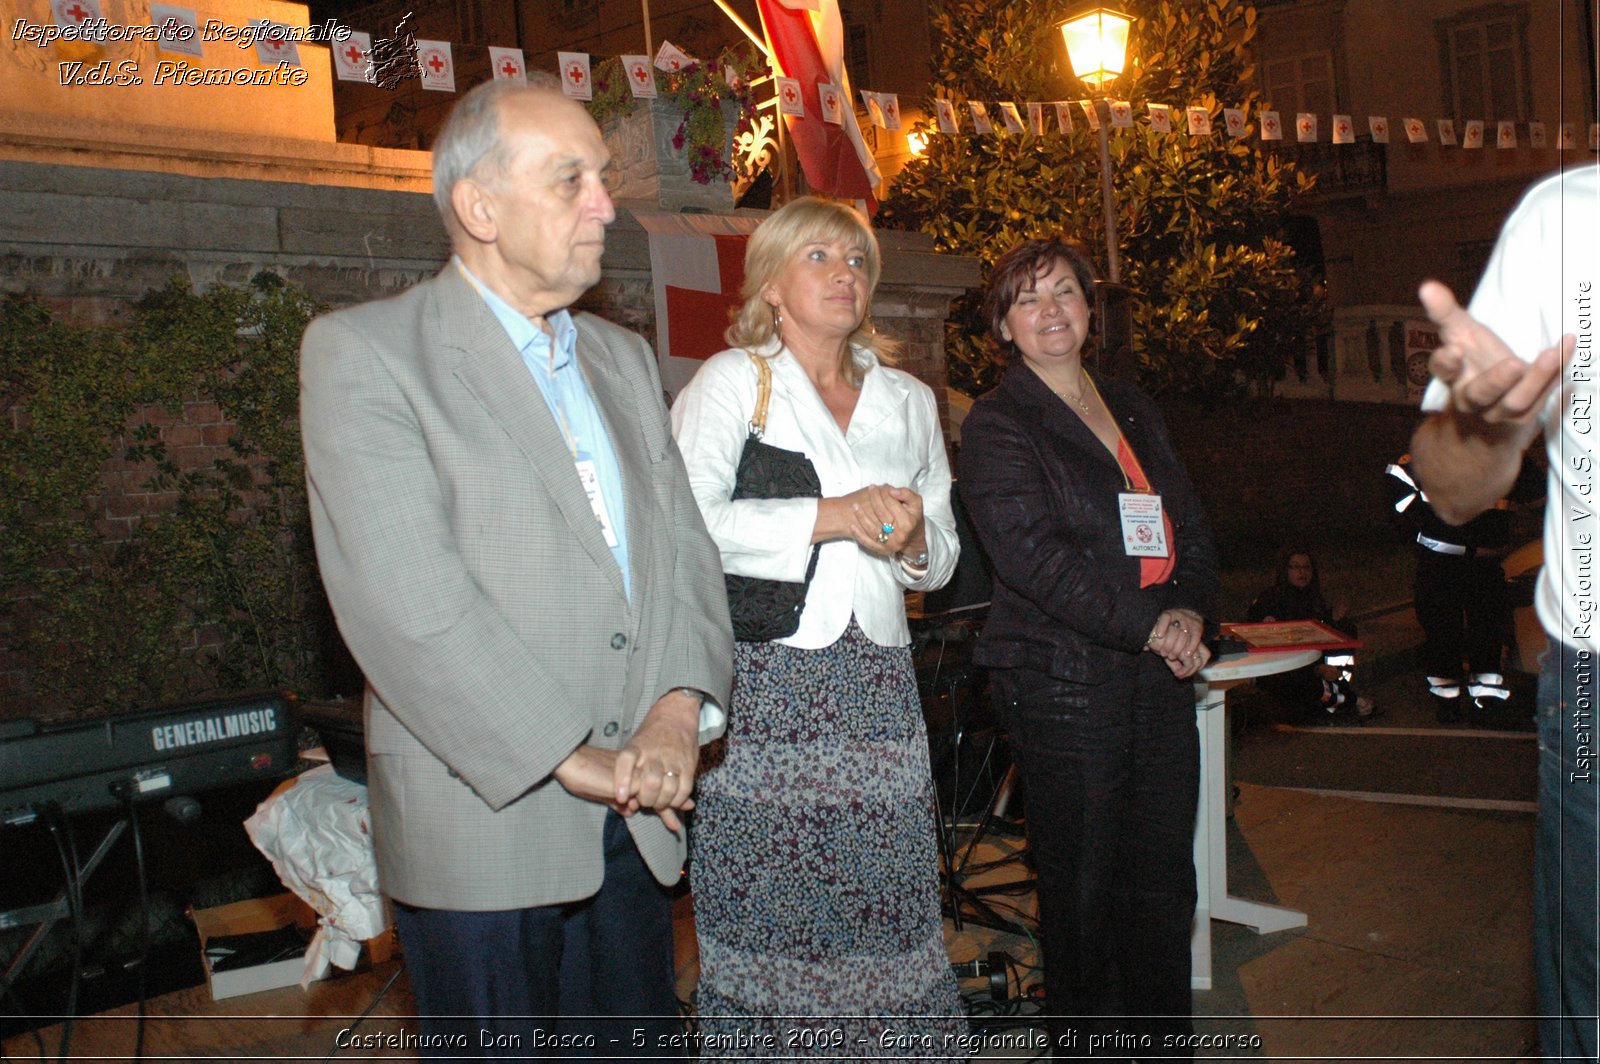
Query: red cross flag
[
  {"x": 1305, "y": 127},
  {"x": 180, "y": 30},
  {"x": 980, "y": 118},
  {"x": 1199, "y": 121},
  {"x": 1090, "y": 115},
  {"x": 1160, "y": 118},
  {"x": 671, "y": 58},
  {"x": 72, "y": 14},
  {"x": 574, "y": 67},
  {"x": 1566, "y": 138},
  {"x": 1447, "y": 131},
  {"x": 832, "y": 104},
  {"x": 1538, "y": 138},
  {"x": 946, "y": 115},
  {"x": 790, "y": 99},
  {"x": 1121, "y": 114},
  {"x": 1344, "y": 130},
  {"x": 641, "y": 79},
  {"x": 274, "y": 43},
  {"x": 1416, "y": 131},
  {"x": 1472, "y": 134},
  {"x": 806, "y": 42},
  {"x": 1064, "y": 116},
  {"x": 1378, "y": 126},
  {"x": 1233, "y": 121},
  {"x": 1036, "y": 119},
  {"x": 1271, "y": 126},
  {"x": 890, "y": 102},
  {"x": 874, "y": 108},
  {"x": 1012, "y": 119},
  {"x": 508, "y": 64},
  {"x": 352, "y": 60},
  {"x": 1505, "y": 135},
  {"x": 438, "y": 68},
  {"x": 697, "y": 267}
]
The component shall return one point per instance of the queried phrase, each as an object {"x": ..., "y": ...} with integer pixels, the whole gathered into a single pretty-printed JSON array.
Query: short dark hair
[{"x": 1018, "y": 269}]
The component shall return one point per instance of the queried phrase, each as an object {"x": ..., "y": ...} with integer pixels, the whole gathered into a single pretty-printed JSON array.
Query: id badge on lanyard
[
  {"x": 1144, "y": 534},
  {"x": 589, "y": 477}
]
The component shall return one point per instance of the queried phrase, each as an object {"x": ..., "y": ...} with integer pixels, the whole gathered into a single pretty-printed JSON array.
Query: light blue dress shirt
[{"x": 555, "y": 369}]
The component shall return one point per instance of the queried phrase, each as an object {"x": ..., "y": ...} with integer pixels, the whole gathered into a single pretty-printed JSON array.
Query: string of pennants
[
  {"x": 356, "y": 57},
  {"x": 1060, "y": 116}
]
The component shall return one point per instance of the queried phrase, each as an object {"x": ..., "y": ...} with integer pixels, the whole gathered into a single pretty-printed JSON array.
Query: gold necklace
[{"x": 1079, "y": 398}]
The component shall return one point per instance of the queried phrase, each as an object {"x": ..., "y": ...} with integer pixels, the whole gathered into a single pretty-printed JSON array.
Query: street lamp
[{"x": 1097, "y": 45}]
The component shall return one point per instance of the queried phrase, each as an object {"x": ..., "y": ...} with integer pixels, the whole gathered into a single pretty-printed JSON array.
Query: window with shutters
[
  {"x": 1300, "y": 83},
  {"x": 1483, "y": 58}
]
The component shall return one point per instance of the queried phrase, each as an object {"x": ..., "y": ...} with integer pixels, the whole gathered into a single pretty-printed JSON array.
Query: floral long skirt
[{"x": 815, "y": 866}]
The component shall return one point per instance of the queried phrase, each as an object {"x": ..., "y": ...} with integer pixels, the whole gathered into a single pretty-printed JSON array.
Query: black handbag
[{"x": 769, "y": 609}]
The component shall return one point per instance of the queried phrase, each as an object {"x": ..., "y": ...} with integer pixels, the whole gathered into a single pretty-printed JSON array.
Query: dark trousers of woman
[{"x": 1112, "y": 773}]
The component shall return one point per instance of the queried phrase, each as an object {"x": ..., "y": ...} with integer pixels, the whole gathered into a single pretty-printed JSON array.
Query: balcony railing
[{"x": 1341, "y": 170}]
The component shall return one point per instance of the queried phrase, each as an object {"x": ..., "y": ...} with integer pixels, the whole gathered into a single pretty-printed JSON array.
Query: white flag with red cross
[
  {"x": 1011, "y": 116},
  {"x": 641, "y": 79},
  {"x": 1378, "y": 126},
  {"x": 1090, "y": 115},
  {"x": 1064, "y": 116},
  {"x": 1271, "y": 126},
  {"x": 1538, "y": 136},
  {"x": 946, "y": 112},
  {"x": 180, "y": 30},
  {"x": 832, "y": 100},
  {"x": 980, "y": 118},
  {"x": 1566, "y": 137},
  {"x": 1121, "y": 114},
  {"x": 274, "y": 43},
  {"x": 1505, "y": 135},
  {"x": 1447, "y": 130},
  {"x": 1199, "y": 121},
  {"x": 75, "y": 14},
  {"x": 575, "y": 80},
  {"x": 1233, "y": 121},
  {"x": 790, "y": 100},
  {"x": 352, "y": 60},
  {"x": 1036, "y": 119},
  {"x": 671, "y": 58},
  {"x": 1305, "y": 127},
  {"x": 697, "y": 270},
  {"x": 1344, "y": 130},
  {"x": 508, "y": 64},
  {"x": 1160, "y": 117},
  {"x": 437, "y": 65},
  {"x": 1416, "y": 131},
  {"x": 1472, "y": 134}
]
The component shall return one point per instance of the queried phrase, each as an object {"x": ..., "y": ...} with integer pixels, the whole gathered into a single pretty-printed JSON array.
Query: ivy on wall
[{"x": 200, "y": 577}]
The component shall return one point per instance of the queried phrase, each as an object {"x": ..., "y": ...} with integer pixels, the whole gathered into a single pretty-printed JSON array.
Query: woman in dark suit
[{"x": 1104, "y": 577}]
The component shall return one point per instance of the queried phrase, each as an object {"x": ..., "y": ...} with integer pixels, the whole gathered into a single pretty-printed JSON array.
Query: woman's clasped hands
[
  {"x": 1176, "y": 636},
  {"x": 887, "y": 521}
]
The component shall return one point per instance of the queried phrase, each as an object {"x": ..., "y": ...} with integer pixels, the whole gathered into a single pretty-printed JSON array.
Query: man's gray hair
[{"x": 470, "y": 136}]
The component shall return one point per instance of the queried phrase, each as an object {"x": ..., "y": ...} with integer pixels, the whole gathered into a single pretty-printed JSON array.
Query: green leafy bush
[
  {"x": 1219, "y": 298},
  {"x": 200, "y": 576}
]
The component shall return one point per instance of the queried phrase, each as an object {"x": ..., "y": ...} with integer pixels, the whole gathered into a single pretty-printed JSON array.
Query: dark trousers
[
  {"x": 1112, "y": 773},
  {"x": 591, "y": 978},
  {"x": 1461, "y": 605}
]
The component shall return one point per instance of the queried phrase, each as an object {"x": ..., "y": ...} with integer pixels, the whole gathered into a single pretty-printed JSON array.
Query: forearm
[{"x": 1466, "y": 465}]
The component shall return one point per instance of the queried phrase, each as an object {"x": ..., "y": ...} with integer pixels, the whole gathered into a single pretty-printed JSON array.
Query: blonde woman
[{"x": 814, "y": 870}]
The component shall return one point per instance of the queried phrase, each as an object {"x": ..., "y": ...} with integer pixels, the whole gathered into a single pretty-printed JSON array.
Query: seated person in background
[{"x": 1322, "y": 692}]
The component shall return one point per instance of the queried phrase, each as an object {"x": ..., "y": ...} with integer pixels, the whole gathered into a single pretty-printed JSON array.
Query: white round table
[{"x": 1211, "y": 830}]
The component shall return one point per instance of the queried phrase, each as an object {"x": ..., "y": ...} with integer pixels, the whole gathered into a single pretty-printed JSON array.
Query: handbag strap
[{"x": 758, "y": 420}]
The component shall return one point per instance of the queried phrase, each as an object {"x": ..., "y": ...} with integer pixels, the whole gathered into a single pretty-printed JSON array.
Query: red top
[{"x": 1151, "y": 570}]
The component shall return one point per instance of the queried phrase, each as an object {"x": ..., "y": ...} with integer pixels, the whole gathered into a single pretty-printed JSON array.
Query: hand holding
[
  {"x": 656, "y": 769},
  {"x": 1176, "y": 634},
  {"x": 887, "y": 520}
]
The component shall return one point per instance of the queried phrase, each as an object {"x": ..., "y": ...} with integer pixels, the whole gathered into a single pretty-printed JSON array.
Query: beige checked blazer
[{"x": 475, "y": 589}]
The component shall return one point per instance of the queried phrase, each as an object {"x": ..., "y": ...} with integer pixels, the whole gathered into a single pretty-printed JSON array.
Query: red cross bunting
[
  {"x": 436, "y": 63},
  {"x": 510, "y": 69},
  {"x": 575, "y": 74},
  {"x": 77, "y": 12}
]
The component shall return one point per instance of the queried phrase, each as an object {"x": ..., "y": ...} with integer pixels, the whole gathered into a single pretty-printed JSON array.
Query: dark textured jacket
[{"x": 1042, "y": 490}]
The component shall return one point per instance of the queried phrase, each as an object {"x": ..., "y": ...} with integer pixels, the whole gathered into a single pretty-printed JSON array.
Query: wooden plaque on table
[{"x": 1289, "y": 635}]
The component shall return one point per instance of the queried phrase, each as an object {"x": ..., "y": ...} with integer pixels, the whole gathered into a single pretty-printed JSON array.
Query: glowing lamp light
[
  {"x": 1097, "y": 44},
  {"x": 917, "y": 142}
]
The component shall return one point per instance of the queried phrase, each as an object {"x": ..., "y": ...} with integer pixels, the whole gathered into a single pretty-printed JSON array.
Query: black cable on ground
[{"x": 382, "y": 990}]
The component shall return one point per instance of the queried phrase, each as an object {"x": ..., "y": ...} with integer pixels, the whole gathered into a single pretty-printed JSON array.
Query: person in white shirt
[
  {"x": 814, "y": 865},
  {"x": 1495, "y": 387}
]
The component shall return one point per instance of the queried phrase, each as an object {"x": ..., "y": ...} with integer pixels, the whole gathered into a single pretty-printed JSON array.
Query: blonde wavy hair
[{"x": 775, "y": 243}]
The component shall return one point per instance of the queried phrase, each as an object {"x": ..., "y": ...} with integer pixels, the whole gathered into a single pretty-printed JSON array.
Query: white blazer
[{"x": 894, "y": 439}]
